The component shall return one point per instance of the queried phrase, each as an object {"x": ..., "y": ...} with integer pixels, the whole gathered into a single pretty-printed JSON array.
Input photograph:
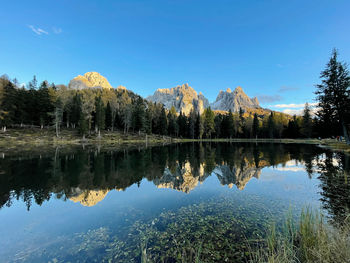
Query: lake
[{"x": 173, "y": 203}]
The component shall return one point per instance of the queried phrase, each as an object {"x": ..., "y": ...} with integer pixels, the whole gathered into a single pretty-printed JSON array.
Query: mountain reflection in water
[{"x": 86, "y": 176}]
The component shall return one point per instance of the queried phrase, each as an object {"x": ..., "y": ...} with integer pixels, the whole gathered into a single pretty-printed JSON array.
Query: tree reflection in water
[{"x": 86, "y": 175}]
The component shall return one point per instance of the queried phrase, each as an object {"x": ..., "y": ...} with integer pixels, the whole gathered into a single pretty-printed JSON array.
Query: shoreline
[{"x": 27, "y": 139}]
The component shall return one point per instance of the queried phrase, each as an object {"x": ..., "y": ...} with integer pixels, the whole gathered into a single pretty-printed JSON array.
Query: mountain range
[
  {"x": 183, "y": 97},
  {"x": 184, "y": 179}
]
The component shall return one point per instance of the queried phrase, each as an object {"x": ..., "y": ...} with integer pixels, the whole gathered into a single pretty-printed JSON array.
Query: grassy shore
[
  {"x": 311, "y": 240},
  {"x": 35, "y": 137},
  {"x": 44, "y": 140}
]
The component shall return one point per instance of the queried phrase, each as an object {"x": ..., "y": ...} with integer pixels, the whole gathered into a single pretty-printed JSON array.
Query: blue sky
[{"x": 272, "y": 49}]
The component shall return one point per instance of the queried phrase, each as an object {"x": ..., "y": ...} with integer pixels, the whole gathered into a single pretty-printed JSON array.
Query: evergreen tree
[
  {"x": 255, "y": 125},
  {"x": 218, "y": 124},
  {"x": 75, "y": 110},
  {"x": 138, "y": 115},
  {"x": 182, "y": 125},
  {"x": 192, "y": 125},
  {"x": 306, "y": 129},
  {"x": 271, "y": 126},
  {"x": 327, "y": 123},
  {"x": 108, "y": 116},
  {"x": 198, "y": 127},
  {"x": 230, "y": 124},
  {"x": 173, "y": 128},
  {"x": 83, "y": 124},
  {"x": 8, "y": 105},
  {"x": 148, "y": 121},
  {"x": 241, "y": 123},
  {"x": 333, "y": 92},
  {"x": 99, "y": 115},
  {"x": 208, "y": 122},
  {"x": 163, "y": 122},
  {"x": 33, "y": 84},
  {"x": 292, "y": 130},
  {"x": 43, "y": 104}
]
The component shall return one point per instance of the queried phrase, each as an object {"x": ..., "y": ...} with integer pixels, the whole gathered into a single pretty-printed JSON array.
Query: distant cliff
[
  {"x": 184, "y": 98},
  {"x": 234, "y": 100},
  {"x": 89, "y": 80}
]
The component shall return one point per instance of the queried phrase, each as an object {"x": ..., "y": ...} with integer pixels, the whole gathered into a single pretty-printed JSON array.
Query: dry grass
[
  {"x": 14, "y": 140},
  {"x": 312, "y": 240}
]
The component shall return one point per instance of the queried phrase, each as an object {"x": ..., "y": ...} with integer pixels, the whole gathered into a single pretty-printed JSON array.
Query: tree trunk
[
  {"x": 56, "y": 129},
  {"x": 345, "y": 131}
]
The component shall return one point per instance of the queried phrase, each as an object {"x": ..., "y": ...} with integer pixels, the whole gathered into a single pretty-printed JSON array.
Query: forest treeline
[{"x": 91, "y": 110}]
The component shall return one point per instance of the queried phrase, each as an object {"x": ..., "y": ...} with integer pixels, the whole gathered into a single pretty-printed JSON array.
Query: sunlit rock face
[
  {"x": 182, "y": 179},
  {"x": 88, "y": 197},
  {"x": 233, "y": 100},
  {"x": 185, "y": 179},
  {"x": 237, "y": 176},
  {"x": 89, "y": 80},
  {"x": 184, "y": 98}
]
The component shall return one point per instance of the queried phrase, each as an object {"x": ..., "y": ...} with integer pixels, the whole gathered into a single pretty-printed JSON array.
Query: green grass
[{"x": 311, "y": 240}]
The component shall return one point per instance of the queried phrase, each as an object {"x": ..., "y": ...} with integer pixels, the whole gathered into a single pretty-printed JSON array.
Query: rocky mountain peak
[
  {"x": 183, "y": 97},
  {"x": 255, "y": 100},
  {"x": 87, "y": 197},
  {"x": 233, "y": 101},
  {"x": 90, "y": 80},
  {"x": 238, "y": 90}
]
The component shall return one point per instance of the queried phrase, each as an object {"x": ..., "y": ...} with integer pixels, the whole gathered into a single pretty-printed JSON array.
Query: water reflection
[
  {"x": 86, "y": 176},
  {"x": 214, "y": 196},
  {"x": 334, "y": 176}
]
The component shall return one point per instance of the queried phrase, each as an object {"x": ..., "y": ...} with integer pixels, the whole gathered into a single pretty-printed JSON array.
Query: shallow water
[{"x": 165, "y": 204}]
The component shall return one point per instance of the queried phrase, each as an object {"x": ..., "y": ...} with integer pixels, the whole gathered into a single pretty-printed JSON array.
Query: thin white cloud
[
  {"x": 292, "y": 105},
  {"x": 286, "y": 89},
  {"x": 293, "y": 111},
  {"x": 57, "y": 30},
  {"x": 38, "y": 30},
  {"x": 269, "y": 98},
  {"x": 290, "y": 169}
]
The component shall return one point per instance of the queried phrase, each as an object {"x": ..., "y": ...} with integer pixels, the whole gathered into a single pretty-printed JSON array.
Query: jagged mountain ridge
[
  {"x": 184, "y": 98},
  {"x": 185, "y": 178},
  {"x": 234, "y": 100}
]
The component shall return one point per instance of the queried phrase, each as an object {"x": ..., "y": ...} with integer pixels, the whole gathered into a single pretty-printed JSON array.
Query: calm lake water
[{"x": 164, "y": 203}]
